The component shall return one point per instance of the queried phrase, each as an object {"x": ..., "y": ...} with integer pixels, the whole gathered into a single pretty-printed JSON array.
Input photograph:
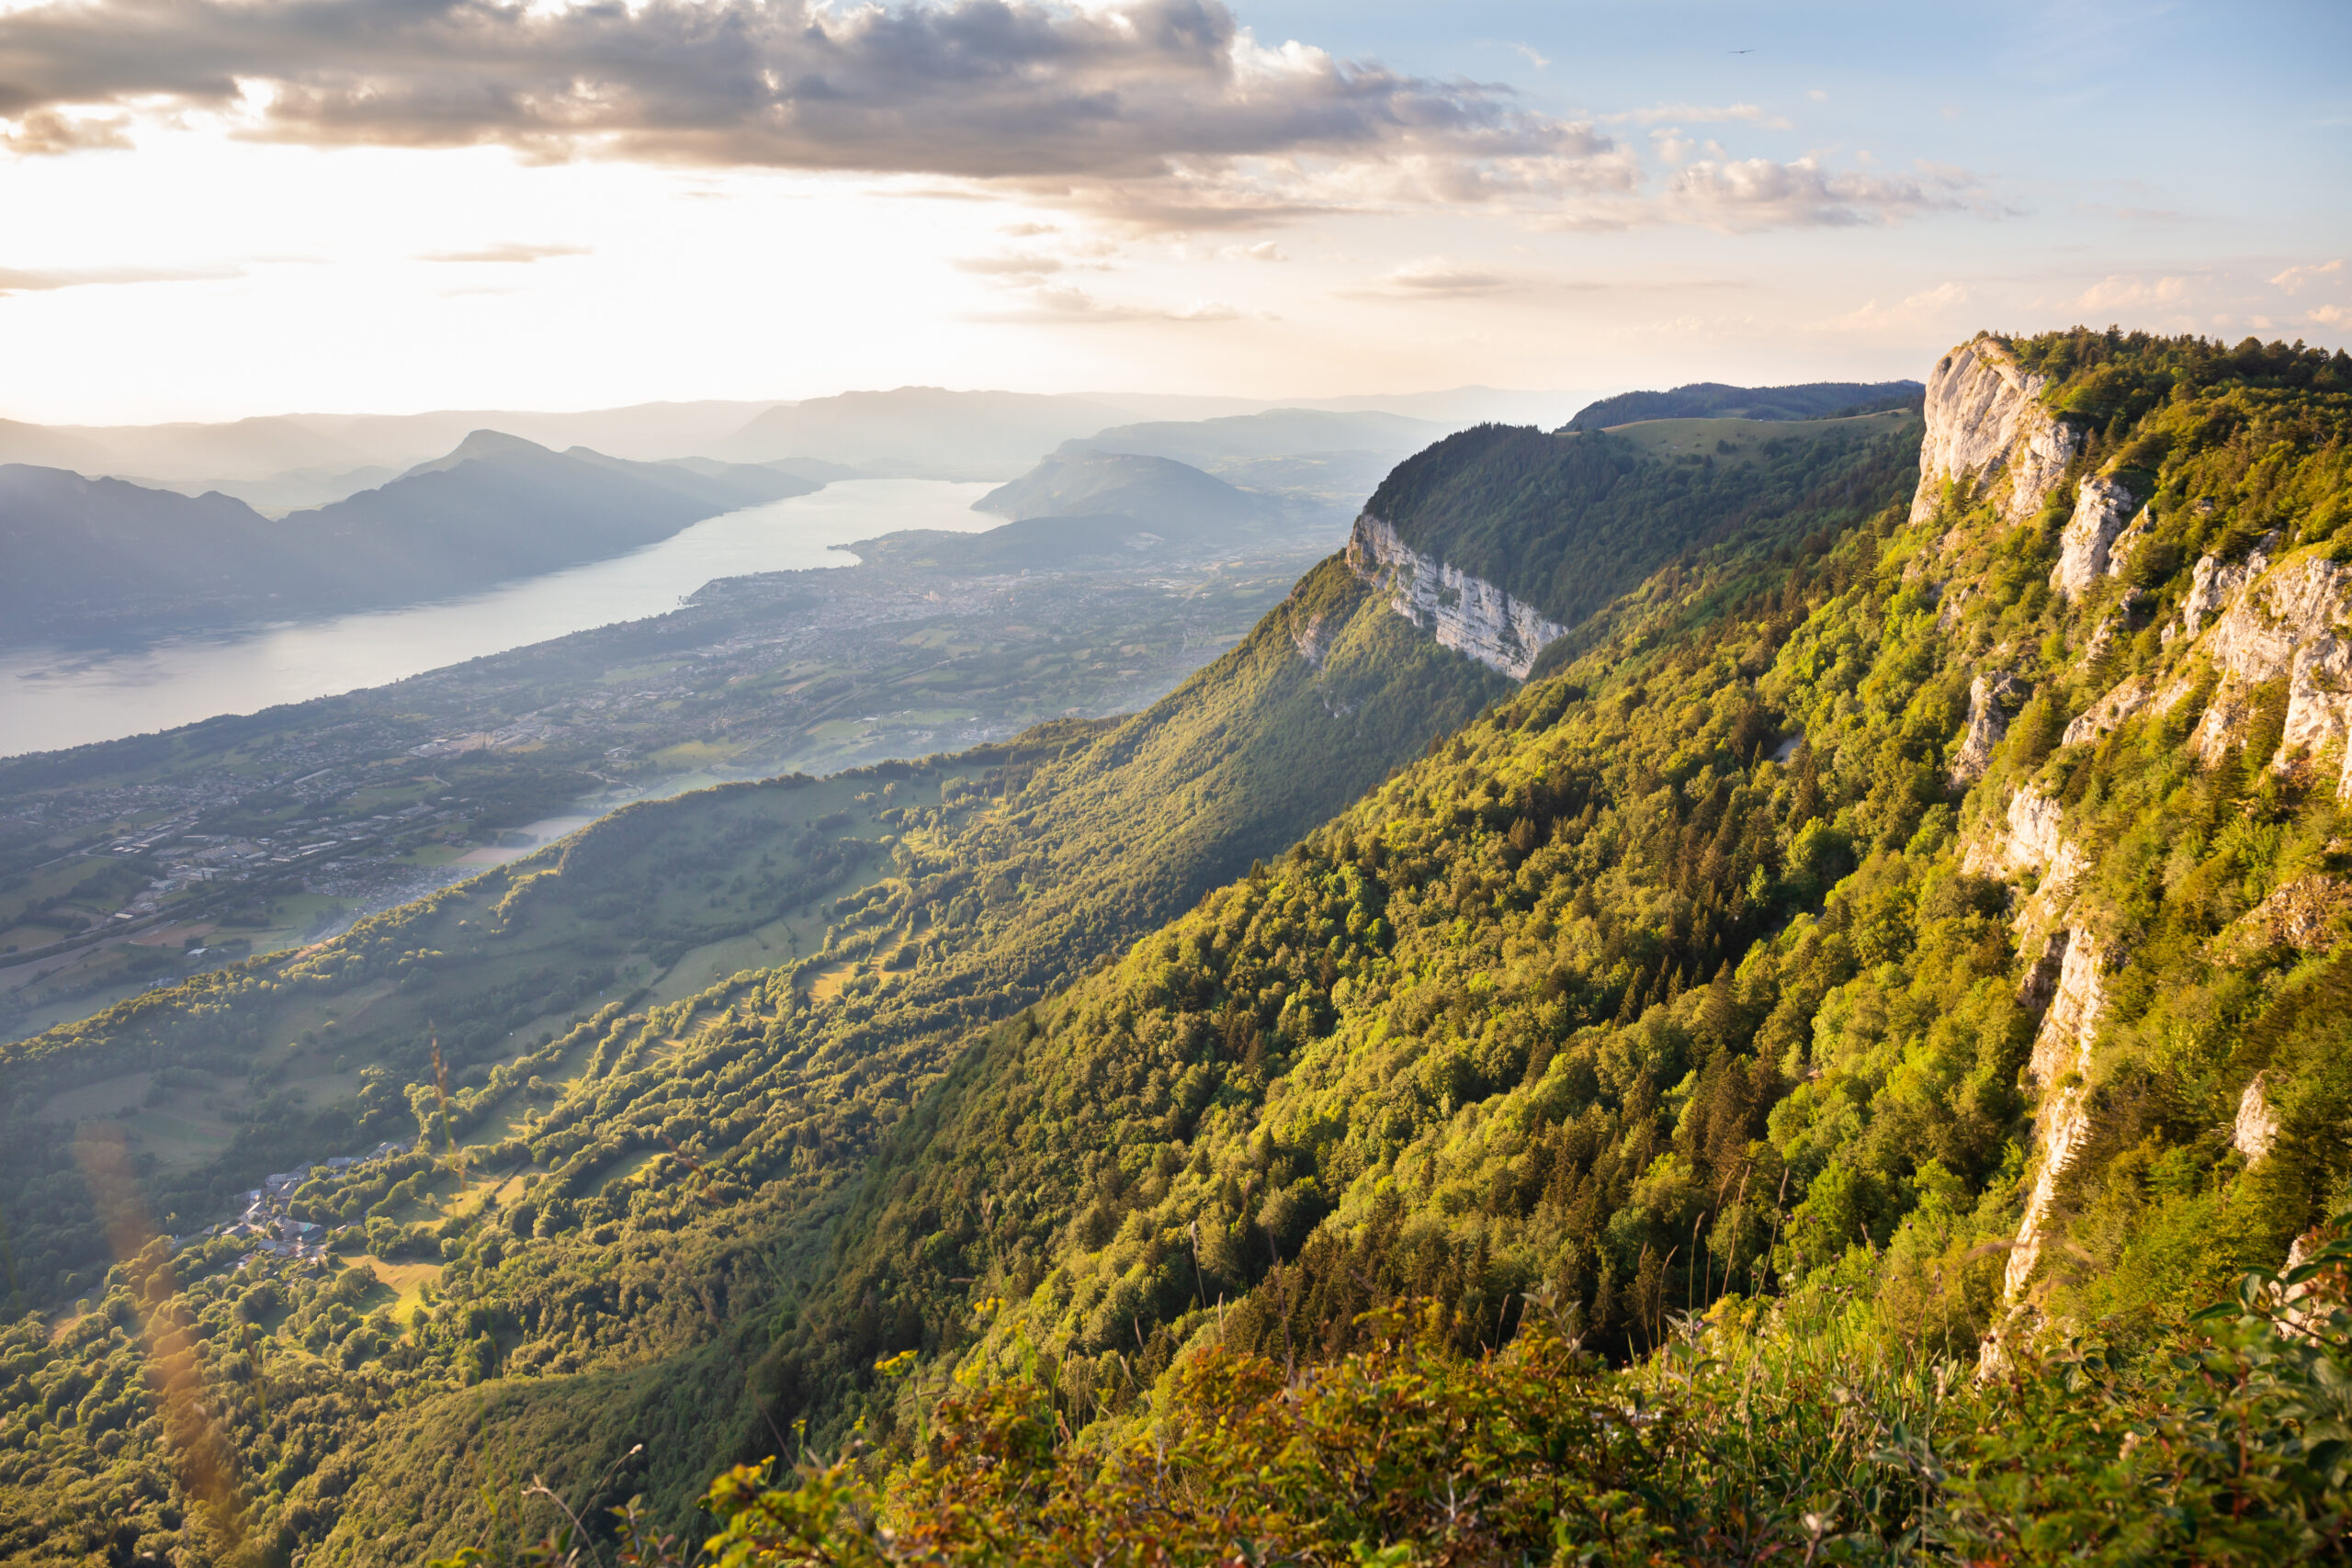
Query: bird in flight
[{"x": 1739, "y": 51}]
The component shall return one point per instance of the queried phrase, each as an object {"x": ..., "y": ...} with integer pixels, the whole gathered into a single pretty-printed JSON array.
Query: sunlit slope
[
  {"x": 1762, "y": 949},
  {"x": 639, "y": 1173}
]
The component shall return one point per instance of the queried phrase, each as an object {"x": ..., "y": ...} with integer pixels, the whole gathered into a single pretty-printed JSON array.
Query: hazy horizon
[{"x": 224, "y": 210}]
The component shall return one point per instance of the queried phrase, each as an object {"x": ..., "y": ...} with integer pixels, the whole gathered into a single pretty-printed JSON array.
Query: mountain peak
[{"x": 478, "y": 445}]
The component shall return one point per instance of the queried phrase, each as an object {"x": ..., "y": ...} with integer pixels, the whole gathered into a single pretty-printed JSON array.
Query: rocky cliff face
[
  {"x": 1461, "y": 612},
  {"x": 2102, "y": 507},
  {"x": 2060, "y": 1070},
  {"x": 2289, "y": 625},
  {"x": 1987, "y": 428},
  {"x": 1988, "y": 723}
]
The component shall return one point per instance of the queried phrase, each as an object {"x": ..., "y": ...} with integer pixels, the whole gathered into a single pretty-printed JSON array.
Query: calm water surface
[{"x": 52, "y": 697}]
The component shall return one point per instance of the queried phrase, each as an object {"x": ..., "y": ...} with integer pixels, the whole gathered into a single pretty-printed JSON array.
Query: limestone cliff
[
  {"x": 2256, "y": 1126},
  {"x": 1461, "y": 612},
  {"x": 2289, "y": 625},
  {"x": 2059, "y": 1070},
  {"x": 2109, "y": 712},
  {"x": 1986, "y": 427},
  {"x": 2085, "y": 550},
  {"x": 1988, "y": 722}
]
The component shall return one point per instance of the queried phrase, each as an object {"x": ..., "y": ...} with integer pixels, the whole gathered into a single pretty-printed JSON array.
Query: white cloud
[
  {"x": 512, "y": 254},
  {"x": 1750, "y": 193},
  {"x": 2123, "y": 291},
  {"x": 1923, "y": 308},
  {"x": 1532, "y": 58},
  {"x": 1059, "y": 304},
  {"x": 1266, "y": 252},
  {"x": 1018, "y": 265},
  {"x": 2293, "y": 279},
  {"x": 14, "y": 281},
  {"x": 1437, "y": 278},
  {"x": 1698, "y": 114}
]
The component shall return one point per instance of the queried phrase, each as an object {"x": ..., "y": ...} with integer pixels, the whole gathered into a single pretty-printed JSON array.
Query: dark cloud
[{"x": 1166, "y": 103}]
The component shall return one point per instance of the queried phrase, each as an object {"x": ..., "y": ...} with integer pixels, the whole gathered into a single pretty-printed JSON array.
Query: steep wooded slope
[
  {"x": 1567, "y": 522},
  {"x": 1722, "y": 963},
  {"x": 605, "y": 1302},
  {"x": 1727, "y": 961},
  {"x": 956, "y": 891}
]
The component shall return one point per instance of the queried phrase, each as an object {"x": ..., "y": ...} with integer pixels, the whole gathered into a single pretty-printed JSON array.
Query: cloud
[
  {"x": 2294, "y": 277},
  {"x": 1060, "y": 303},
  {"x": 1267, "y": 252},
  {"x": 1914, "y": 311},
  {"x": 513, "y": 253},
  {"x": 1440, "y": 278},
  {"x": 2123, "y": 291},
  {"x": 1697, "y": 114},
  {"x": 1751, "y": 193},
  {"x": 13, "y": 281},
  {"x": 2330, "y": 315},
  {"x": 46, "y": 133},
  {"x": 1028, "y": 264},
  {"x": 1673, "y": 147},
  {"x": 1148, "y": 108},
  {"x": 1527, "y": 52}
]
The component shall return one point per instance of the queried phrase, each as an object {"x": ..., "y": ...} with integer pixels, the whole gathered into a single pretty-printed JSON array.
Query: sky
[{"x": 213, "y": 208}]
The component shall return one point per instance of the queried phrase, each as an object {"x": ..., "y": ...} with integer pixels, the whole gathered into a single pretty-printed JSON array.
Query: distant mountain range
[
  {"x": 922, "y": 432},
  {"x": 81, "y": 555},
  {"x": 283, "y": 462},
  {"x": 1712, "y": 400},
  {"x": 1211, "y": 444}
]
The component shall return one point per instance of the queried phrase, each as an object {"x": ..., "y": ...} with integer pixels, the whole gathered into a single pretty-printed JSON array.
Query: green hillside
[
  {"x": 1570, "y": 520},
  {"x": 875, "y": 918},
  {"x": 1782, "y": 1085},
  {"x": 1621, "y": 1004}
]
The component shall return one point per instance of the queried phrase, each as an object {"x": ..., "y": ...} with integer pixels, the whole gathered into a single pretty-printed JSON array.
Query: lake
[{"x": 52, "y": 697}]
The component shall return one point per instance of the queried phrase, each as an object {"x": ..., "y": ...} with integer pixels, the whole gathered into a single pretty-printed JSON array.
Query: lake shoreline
[{"x": 57, "y": 697}]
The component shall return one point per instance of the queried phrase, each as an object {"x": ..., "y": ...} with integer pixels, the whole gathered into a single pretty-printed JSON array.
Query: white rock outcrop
[
  {"x": 1988, "y": 723},
  {"x": 2107, "y": 715},
  {"x": 2289, "y": 625},
  {"x": 2032, "y": 839},
  {"x": 2308, "y": 915},
  {"x": 1461, "y": 612},
  {"x": 2102, "y": 507},
  {"x": 2256, "y": 1127},
  {"x": 2060, "y": 1070},
  {"x": 1986, "y": 425},
  {"x": 2035, "y": 840},
  {"x": 2212, "y": 587},
  {"x": 1311, "y": 638}
]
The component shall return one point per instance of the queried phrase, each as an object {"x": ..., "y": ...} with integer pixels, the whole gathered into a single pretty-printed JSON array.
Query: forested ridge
[
  {"x": 1568, "y": 521},
  {"x": 1606, "y": 1140}
]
